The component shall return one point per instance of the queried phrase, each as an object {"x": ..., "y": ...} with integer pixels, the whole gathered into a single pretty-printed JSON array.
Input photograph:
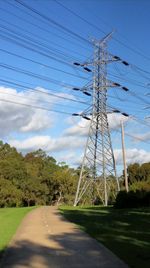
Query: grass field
[
  {"x": 10, "y": 218},
  {"x": 125, "y": 232}
]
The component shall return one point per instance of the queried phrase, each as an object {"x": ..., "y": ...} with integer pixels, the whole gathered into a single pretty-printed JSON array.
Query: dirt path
[{"x": 46, "y": 240}]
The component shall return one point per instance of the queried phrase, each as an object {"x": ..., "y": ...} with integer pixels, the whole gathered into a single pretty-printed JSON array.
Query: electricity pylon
[{"x": 98, "y": 166}]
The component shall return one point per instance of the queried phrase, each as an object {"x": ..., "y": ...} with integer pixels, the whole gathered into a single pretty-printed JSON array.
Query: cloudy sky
[{"x": 37, "y": 76}]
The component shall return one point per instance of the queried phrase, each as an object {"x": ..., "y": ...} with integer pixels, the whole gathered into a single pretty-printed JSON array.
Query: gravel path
[{"x": 46, "y": 240}]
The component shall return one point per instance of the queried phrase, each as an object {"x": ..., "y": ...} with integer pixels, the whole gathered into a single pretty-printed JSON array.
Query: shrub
[{"x": 133, "y": 199}]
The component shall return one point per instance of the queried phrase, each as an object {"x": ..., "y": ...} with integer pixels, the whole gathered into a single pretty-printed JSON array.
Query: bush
[
  {"x": 133, "y": 199},
  {"x": 140, "y": 185}
]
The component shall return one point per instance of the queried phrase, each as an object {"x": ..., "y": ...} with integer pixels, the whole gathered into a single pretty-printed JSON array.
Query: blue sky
[{"x": 47, "y": 47}]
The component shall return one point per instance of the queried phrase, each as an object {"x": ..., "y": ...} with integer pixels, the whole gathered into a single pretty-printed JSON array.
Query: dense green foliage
[
  {"x": 124, "y": 232},
  {"x": 137, "y": 173},
  {"x": 10, "y": 218},
  {"x": 37, "y": 179},
  {"x": 34, "y": 179},
  {"x": 139, "y": 188},
  {"x": 133, "y": 199}
]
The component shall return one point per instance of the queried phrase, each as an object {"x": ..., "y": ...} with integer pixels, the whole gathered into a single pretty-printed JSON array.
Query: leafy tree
[
  {"x": 145, "y": 171},
  {"x": 133, "y": 173},
  {"x": 64, "y": 186},
  {"x": 10, "y": 196},
  {"x": 138, "y": 173}
]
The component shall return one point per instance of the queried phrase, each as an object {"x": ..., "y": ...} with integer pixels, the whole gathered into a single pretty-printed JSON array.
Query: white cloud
[
  {"x": 72, "y": 158},
  {"x": 132, "y": 156},
  {"x": 144, "y": 137},
  {"x": 21, "y": 118},
  {"x": 115, "y": 119},
  {"x": 47, "y": 143},
  {"x": 81, "y": 128},
  {"x": 40, "y": 120}
]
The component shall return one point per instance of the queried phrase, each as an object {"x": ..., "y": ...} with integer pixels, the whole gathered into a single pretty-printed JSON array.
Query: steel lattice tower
[{"x": 98, "y": 164}]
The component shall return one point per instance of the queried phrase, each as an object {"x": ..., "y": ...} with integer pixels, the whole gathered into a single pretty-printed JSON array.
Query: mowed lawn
[
  {"x": 10, "y": 219},
  {"x": 124, "y": 232}
]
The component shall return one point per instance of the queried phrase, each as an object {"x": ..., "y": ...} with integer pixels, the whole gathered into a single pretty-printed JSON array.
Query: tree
[
  {"x": 133, "y": 171},
  {"x": 145, "y": 171},
  {"x": 10, "y": 196},
  {"x": 64, "y": 186},
  {"x": 34, "y": 179},
  {"x": 138, "y": 173}
]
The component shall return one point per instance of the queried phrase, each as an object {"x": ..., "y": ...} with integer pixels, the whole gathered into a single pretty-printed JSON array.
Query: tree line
[
  {"x": 34, "y": 179},
  {"x": 37, "y": 179}
]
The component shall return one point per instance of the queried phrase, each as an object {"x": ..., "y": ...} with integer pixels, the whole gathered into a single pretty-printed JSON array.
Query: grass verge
[
  {"x": 124, "y": 232},
  {"x": 10, "y": 218}
]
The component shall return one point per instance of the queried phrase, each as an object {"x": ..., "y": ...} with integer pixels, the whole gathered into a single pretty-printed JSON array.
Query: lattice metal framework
[{"x": 98, "y": 166}]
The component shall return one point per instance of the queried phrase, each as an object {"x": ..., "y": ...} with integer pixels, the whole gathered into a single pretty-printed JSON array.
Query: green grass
[
  {"x": 124, "y": 232},
  {"x": 10, "y": 218}
]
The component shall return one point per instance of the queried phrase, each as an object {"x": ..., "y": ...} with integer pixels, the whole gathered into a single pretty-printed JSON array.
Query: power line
[
  {"x": 43, "y": 101},
  {"x": 31, "y": 74},
  {"x": 136, "y": 69},
  {"x": 43, "y": 92},
  {"x": 131, "y": 116},
  {"x": 41, "y": 28},
  {"x": 52, "y": 21},
  {"x": 57, "y": 51},
  {"x": 56, "y": 1},
  {"x": 140, "y": 71},
  {"x": 33, "y": 42},
  {"x": 132, "y": 93},
  {"x": 130, "y": 80},
  {"x": 136, "y": 51},
  {"x": 78, "y": 16},
  {"x": 71, "y": 11},
  {"x": 35, "y": 107},
  {"x": 32, "y": 48},
  {"x": 43, "y": 64},
  {"x": 27, "y": 37},
  {"x": 95, "y": 26},
  {"x": 23, "y": 44},
  {"x": 134, "y": 137},
  {"x": 35, "y": 75}
]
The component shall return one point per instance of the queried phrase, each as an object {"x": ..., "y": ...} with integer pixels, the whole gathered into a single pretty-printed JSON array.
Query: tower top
[{"x": 106, "y": 38}]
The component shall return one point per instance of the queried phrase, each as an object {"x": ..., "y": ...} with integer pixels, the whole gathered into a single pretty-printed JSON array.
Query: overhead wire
[
  {"x": 24, "y": 45},
  {"x": 31, "y": 47},
  {"x": 131, "y": 92},
  {"x": 48, "y": 19},
  {"x": 33, "y": 99},
  {"x": 40, "y": 77},
  {"x": 42, "y": 64},
  {"x": 20, "y": 1},
  {"x": 130, "y": 80},
  {"x": 28, "y": 36},
  {"x": 35, "y": 107},
  {"x": 135, "y": 50},
  {"x": 32, "y": 41},
  {"x": 80, "y": 17},
  {"x": 63, "y": 6},
  {"x": 42, "y": 28},
  {"x": 7, "y": 82},
  {"x": 131, "y": 116},
  {"x": 134, "y": 137}
]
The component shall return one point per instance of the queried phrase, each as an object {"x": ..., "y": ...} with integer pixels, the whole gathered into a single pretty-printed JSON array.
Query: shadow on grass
[{"x": 125, "y": 232}]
